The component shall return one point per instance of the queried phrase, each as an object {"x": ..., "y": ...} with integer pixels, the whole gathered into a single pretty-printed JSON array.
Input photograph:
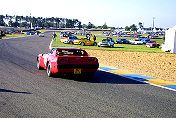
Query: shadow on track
[
  {"x": 10, "y": 91},
  {"x": 103, "y": 77}
]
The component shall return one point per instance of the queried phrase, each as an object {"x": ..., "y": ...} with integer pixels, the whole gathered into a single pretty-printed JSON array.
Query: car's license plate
[{"x": 77, "y": 71}]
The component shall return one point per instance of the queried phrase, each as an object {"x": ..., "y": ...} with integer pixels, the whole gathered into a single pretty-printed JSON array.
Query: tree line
[
  {"x": 52, "y": 22},
  {"x": 25, "y": 21}
]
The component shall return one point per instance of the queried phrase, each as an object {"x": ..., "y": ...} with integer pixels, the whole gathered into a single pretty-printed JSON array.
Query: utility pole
[
  {"x": 30, "y": 22},
  {"x": 153, "y": 23}
]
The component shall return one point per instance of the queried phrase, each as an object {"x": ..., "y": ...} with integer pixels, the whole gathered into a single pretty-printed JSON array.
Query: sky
[{"x": 115, "y": 13}]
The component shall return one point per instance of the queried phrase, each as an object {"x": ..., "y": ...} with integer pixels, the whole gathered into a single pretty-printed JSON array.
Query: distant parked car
[
  {"x": 122, "y": 41},
  {"x": 155, "y": 37},
  {"x": 17, "y": 32},
  {"x": 152, "y": 45},
  {"x": 108, "y": 42},
  {"x": 146, "y": 40},
  {"x": 142, "y": 37},
  {"x": 37, "y": 32},
  {"x": 70, "y": 39},
  {"x": 136, "y": 35},
  {"x": 84, "y": 41},
  {"x": 41, "y": 35},
  {"x": 8, "y": 32},
  {"x": 136, "y": 42},
  {"x": 30, "y": 33}
]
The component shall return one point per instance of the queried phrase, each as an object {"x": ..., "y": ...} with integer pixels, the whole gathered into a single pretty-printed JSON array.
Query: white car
[
  {"x": 70, "y": 40},
  {"x": 108, "y": 42},
  {"x": 136, "y": 42},
  {"x": 41, "y": 35}
]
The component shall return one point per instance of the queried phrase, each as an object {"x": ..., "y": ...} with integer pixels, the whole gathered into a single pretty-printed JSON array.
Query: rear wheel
[
  {"x": 49, "y": 73},
  {"x": 111, "y": 46},
  {"x": 82, "y": 43},
  {"x": 95, "y": 44}
]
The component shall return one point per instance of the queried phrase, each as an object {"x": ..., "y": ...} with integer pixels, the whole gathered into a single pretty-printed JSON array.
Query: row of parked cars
[
  {"x": 35, "y": 33},
  {"x": 138, "y": 41},
  {"x": 107, "y": 42},
  {"x": 76, "y": 41}
]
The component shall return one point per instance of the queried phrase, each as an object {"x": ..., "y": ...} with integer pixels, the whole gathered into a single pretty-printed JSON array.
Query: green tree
[
  {"x": 69, "y": 23},
  {"x": 24, "y": 21},
  {"x": 10, "y": 22},
  {"x": 104, "y": 26},
  {"x": 90, "y": 25},
  {"x": 84, "y": 26},
  {"x": 140, "y": 25},
  {"x": 57, "y": 22},
  {"x": 2, "y": 23},
  {"x": 133, "y": 27},
  {"x": 79, "y": 25},
  {"x": 127, "y": 28}
]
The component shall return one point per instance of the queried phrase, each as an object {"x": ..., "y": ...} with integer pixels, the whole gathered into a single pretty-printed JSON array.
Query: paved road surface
[{"x": 27, "y": 92}]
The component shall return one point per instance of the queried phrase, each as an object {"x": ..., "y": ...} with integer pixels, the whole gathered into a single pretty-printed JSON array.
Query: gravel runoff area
[{"x": 157, "y": 65}]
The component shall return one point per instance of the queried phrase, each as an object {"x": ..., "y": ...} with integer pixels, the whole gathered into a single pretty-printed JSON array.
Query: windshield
[{"x": 71, "y": 52}]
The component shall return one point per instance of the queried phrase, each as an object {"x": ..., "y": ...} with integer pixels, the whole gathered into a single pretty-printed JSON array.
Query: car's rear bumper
[
  {"x": 72, "y": 70},
  {"x": 65, "y": 69}
]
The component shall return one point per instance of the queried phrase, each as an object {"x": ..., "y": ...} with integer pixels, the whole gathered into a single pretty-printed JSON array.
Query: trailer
[{"x": 170, "y": 41}]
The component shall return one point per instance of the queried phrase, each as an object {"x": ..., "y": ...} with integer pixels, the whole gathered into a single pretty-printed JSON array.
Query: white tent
[{"x": 170, "y": 40}]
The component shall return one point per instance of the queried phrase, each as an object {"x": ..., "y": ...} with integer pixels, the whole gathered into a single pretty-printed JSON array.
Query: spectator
[
  {"x": 89, "y": 36},
  {"x": 94, "y": 38},
  {"x": 54, "y": 36}
]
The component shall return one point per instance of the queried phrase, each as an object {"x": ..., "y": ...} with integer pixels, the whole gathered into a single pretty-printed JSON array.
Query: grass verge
[{"x": 14, "y": 35}]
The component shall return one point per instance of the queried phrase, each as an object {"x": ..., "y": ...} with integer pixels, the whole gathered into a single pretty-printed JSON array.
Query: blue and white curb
[{"x": 141, "y": 78}]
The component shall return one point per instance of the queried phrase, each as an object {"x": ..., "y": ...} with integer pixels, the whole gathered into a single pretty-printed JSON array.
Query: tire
[
  {"x": 82, "y": 43},
  {"x": 71, "y": 42},
  {"x": 95, "y": 44},
  {"x": 48, "y": 70},
  {"x": 38, "y": 65}
]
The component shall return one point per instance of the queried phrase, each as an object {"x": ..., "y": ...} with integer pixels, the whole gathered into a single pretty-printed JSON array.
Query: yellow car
[{"x": 84, "y": 41}]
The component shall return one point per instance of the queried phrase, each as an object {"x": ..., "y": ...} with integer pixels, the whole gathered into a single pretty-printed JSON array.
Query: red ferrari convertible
[{"x": 67, "y": 60}]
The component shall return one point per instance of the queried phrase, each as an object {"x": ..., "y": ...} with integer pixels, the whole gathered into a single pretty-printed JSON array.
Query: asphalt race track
[{"x": 27, "y": 92}]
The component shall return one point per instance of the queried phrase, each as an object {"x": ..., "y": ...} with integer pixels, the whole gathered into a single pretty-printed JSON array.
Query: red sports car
[
  {"x": 152, "y": 45},
  {"x": 67, "y": 60}
]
